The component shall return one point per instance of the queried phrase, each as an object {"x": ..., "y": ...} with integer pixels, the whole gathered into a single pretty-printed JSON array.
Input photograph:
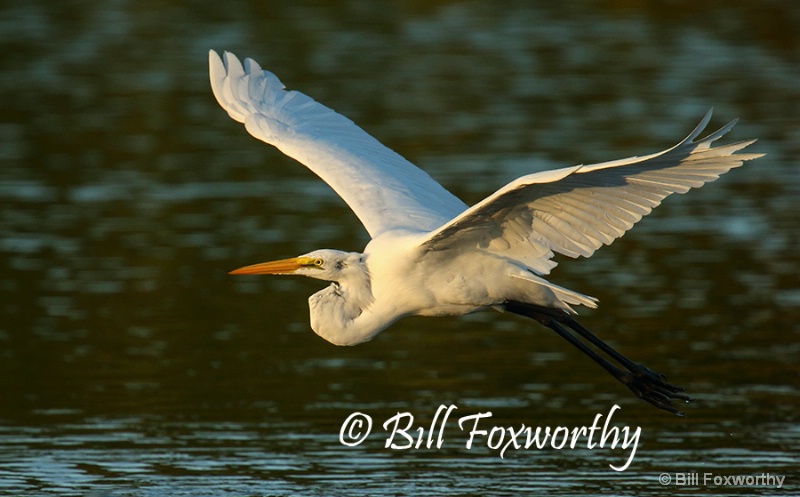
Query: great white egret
[{"x": 431, "y": 254}]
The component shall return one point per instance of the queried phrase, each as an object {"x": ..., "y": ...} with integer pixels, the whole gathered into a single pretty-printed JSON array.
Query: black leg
[{"x": 645, "y": 383}]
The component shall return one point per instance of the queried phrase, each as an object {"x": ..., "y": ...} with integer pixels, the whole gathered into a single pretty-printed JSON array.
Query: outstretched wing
[
  {"x": 384, "y": 190},
  {"x": 576, "y": 210}
]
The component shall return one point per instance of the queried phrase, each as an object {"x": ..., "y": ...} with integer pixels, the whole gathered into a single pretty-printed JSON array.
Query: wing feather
[
  {"x": 382, "y": 188},
  {"x": 574, "y": 211}
]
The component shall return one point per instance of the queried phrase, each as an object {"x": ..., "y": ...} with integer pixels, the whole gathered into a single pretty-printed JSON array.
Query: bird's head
[{"x": 324, "y": 264}]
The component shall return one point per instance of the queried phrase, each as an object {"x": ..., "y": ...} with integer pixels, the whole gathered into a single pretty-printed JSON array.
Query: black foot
[
  {"x": 645, "y": 383},
  {"x": 651, "y": 386}
]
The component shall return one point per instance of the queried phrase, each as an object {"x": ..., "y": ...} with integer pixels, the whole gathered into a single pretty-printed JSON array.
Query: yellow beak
[{"x": 283, "y": 266}]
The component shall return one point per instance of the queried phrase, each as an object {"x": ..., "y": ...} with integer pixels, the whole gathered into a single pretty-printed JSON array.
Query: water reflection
[{"x": 131, "y": 364}]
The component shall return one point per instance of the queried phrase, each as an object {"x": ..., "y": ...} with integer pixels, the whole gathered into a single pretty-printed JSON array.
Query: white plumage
[{"x": 430, "y": 253}]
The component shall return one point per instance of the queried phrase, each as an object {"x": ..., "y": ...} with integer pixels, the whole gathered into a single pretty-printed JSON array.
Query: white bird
[{"x": 432, "y": 255}]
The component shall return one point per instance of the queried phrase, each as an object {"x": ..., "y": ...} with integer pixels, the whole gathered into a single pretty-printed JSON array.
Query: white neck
[{"x": 343, "y": 313}]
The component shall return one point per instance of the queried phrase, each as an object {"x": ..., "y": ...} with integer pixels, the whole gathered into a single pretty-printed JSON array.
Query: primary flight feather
[{"x": 430, "y": 253}]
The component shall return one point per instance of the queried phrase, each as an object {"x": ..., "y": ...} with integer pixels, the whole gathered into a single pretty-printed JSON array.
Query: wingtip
[
  {"x": 251, "y": 66},
  {"x": 215, "y": 63},
  {"x": 750, "y": 156},
  {"x": 216, "y": 74},
  {"x": 233, "y": 65},
  {"x": 225, "y": 72},
  {"x": 700, "y": 126}
]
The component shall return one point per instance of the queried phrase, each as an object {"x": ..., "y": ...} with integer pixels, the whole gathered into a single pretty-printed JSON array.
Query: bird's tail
[{"x": 565, "y": 296}]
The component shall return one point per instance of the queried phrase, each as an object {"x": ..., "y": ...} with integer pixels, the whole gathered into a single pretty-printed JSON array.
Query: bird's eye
[{"x": 318, "y": 262}]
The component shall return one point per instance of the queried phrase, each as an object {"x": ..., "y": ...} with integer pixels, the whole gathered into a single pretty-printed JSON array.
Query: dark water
[{"x": 131, "y": 364}]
